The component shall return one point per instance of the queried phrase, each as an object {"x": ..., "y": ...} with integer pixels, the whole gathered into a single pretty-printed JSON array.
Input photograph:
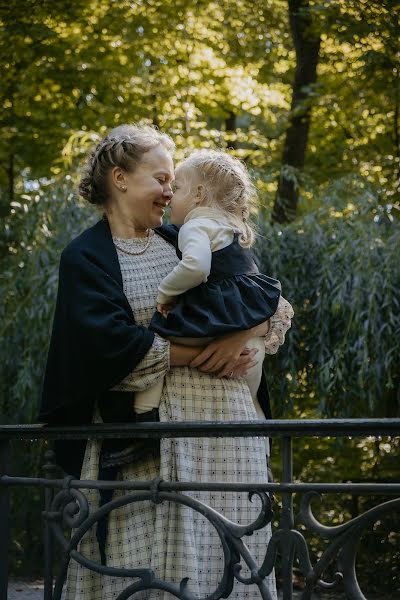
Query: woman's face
[{"x": 148, "y": 189}]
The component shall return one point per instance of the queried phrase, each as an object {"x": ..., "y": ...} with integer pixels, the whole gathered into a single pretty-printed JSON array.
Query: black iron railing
[{"x": 66, "y": 506}]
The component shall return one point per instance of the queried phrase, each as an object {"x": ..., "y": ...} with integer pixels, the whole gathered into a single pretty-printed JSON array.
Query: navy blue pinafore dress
[{"x": 234, "y": 297}]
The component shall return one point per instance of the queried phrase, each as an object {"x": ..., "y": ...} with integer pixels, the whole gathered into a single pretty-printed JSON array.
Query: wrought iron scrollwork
[
  {"x": 343, "y": 546},
  {"x": 70, "y": 508}
]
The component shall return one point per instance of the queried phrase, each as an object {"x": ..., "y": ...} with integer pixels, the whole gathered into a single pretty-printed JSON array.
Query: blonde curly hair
[
  {"x": 122, "y": 147},
  {"x": 228, "y": 186}
]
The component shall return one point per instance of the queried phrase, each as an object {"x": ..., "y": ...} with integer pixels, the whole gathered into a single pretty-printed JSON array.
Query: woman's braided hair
[
  {"x": 123, "y": 147},
  {"x": 228, "y": 186}
]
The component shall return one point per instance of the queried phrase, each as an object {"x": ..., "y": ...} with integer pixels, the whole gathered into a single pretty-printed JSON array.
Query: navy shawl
[{"x": 95, "y": 342}]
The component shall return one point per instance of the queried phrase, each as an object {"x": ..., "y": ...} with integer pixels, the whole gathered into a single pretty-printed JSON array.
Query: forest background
[{"x": 307, "y": 93}]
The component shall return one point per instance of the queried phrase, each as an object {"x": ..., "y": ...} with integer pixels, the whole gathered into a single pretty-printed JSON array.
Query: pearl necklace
[{"x": 142, "y": 251}]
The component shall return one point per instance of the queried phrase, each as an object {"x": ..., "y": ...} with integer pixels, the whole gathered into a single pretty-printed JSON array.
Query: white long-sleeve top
[{"x": 204, "y": 231}]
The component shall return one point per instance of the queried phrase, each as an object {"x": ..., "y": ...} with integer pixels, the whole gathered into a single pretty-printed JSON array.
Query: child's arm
[{"x": 193, "y": 269}]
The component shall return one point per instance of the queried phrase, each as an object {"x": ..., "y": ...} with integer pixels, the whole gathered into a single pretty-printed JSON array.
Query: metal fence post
[
  {"x": 287, "y": 520},
  {"x": 5, "y": 454},
  {"x": 49, "y": 469}
]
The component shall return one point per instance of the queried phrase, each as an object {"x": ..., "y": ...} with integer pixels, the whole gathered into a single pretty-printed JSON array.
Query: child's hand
[{"x": 164, "y": 309}]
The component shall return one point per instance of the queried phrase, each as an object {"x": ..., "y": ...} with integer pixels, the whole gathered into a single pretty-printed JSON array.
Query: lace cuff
[
  {"x": 280, "y": 322},
  {"x": 150, "y": 369}
]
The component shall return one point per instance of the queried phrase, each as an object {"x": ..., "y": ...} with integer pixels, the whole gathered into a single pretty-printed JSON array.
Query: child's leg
[
  {"x": 253, "y": 379},
  {"x": 253, "y": 376},
  {"x": 150, "y": 398},
  {"x": 187, "y": 341}
]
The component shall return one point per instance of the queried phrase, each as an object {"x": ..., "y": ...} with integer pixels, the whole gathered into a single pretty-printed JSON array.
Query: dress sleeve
[
  {"x": 151, "y": 368},
  {"x": 195, "y": 266},
  {"x": 280, "y": 322}
]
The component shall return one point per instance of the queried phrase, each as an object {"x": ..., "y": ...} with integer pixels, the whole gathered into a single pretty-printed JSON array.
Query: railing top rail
[{"x": 272, "y": 428}]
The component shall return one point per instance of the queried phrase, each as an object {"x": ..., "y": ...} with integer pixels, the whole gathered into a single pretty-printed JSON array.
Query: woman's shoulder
[
  {"x": 92, "y": 251},
  {"x": 91, "y": 256},
  {"x": 91, "y": 240}
]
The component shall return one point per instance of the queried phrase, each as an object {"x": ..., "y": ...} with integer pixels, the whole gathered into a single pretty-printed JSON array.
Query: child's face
[{"x": 186, "y": 195}]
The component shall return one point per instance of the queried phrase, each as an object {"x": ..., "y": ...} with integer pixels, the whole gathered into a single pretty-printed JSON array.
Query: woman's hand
[
  {"x": 227, "y": 355},
  {"x": 245, "y": 362}
]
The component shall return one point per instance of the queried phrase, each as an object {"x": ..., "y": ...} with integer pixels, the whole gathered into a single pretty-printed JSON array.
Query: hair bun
[{"x": 85, "y": 188}]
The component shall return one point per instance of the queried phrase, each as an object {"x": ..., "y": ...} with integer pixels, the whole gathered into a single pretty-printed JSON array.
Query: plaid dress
[{"x": 174, "y": 540}]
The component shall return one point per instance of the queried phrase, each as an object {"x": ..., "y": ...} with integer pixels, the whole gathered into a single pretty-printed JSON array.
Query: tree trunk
[
  {"x": 5, "y": 204},
  {"x": 230, "y": 127},
  {"x": 396, "y": 129},
  {"x": 306, "y": 43},
  {"x": 154, "y": 109},
  {"x": 11, "y": 178}
]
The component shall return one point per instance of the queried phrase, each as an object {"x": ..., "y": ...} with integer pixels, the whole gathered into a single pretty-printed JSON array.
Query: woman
[{"x": 101, "y": 352}]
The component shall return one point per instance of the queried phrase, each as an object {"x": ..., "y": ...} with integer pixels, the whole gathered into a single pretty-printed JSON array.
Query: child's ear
[{"x": 200, "y": 194}]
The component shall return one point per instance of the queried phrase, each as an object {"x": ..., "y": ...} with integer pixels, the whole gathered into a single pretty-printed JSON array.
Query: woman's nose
[{"x": 167, "y": 193}]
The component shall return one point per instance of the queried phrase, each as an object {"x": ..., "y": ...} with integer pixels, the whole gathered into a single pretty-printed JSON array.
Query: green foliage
[
  {"x": 339, "y": 268},
  {"x": 356, "y": 121},
  {"x": 40, "y": 225},
  {"x": 189, "y": 67}
]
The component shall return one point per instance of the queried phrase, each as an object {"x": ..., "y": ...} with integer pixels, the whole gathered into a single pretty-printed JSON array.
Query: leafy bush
[
  {"x": 339, "y": 267},
  {"x": 41, "y": 224}
]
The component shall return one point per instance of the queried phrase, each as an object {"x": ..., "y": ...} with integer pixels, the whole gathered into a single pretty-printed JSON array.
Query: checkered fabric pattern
[{"x": 174, "y": 540}]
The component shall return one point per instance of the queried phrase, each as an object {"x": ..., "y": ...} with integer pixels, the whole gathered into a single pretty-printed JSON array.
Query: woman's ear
[{"x": 118, "y": 179}]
